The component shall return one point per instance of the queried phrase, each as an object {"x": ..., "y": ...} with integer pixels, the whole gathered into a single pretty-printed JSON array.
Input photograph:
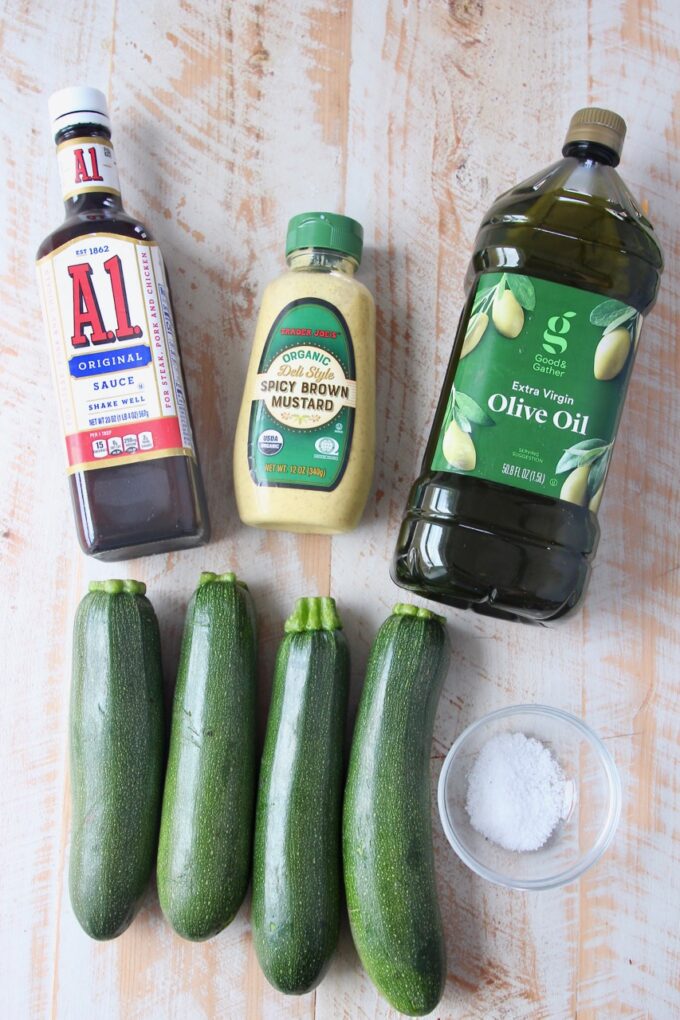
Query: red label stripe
[{"x": 104, "y": 444}]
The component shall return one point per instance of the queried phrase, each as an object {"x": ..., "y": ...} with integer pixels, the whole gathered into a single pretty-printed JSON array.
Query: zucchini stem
[
  {"x": 115, "y": 586},
  {"x": 405, "y": 609},
  {"x": 314, "y": 613},
  {"x": 208, "y": 577}
]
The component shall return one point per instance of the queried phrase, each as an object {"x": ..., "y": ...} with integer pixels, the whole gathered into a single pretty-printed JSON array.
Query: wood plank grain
[
  {"x": 627, "y": 966},
  {"x": 411, "y": 117},
  {"x": 510, "y": 954},
  {"x": 189, "y": 111},
  {"x": 41, "y": 571},
  {"x": 438, "y": 139}
]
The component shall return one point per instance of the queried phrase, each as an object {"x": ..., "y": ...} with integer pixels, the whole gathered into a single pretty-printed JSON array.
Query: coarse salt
[{"x": 517, "y": 792}]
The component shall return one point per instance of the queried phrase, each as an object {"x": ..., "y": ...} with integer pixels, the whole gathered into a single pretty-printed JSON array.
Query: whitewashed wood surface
[{"x": 228, "y": 118}]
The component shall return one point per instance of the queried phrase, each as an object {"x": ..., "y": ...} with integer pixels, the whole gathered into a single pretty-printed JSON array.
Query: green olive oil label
[
  {"x": 302, "y": 414},
  {"x": 539, "y": 387}
]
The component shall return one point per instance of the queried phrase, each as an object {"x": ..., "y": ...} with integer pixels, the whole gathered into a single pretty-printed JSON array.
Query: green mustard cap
[{"x": 325, "y": 230}]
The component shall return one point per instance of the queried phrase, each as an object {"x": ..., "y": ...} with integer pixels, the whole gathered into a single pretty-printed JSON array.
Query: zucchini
[
  {"x": 388, "y": 856},
  {"x": 116, "y": 751},
  {"x": 297, "y": 860},
  {"x": 205, "y": 842}
]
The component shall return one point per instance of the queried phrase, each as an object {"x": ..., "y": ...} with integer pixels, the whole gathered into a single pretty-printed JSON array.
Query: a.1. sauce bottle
[
  {"x": 305, "y": 440},
  {"x": 503, "y": 516},
  {"x": 135, "y": 482}
]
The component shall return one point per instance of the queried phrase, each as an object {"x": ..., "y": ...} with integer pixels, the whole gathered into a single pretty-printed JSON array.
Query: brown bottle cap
[{"x": 592, "y": 124}]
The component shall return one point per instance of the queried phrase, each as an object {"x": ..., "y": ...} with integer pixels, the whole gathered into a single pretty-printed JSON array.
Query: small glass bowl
[{"x": 593, "y": 812}]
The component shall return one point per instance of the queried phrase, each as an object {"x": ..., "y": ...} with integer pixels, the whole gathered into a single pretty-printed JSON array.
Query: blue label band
[{"x": 98, "y": 362}]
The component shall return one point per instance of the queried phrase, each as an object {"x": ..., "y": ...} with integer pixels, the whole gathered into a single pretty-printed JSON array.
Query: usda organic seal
[{"x": 270, "y": 442}]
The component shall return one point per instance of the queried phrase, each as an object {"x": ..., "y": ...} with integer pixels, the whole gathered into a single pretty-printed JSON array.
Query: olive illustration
[
  {"x": 611, "y": 354},
  {"x": 475, "y": 331},
  {"x": 507, "y": 315},
  {"x": 458, "y": 448},
  {"x": 594, "y": 504},
  {"x": 575, "y": 485}
]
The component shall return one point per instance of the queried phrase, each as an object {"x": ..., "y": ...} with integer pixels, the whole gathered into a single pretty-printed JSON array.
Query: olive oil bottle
[{"x": 503, "y": 518}]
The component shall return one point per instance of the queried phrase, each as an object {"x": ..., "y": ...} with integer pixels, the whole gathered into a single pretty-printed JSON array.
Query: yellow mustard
[{"x": 305, "y": 440}]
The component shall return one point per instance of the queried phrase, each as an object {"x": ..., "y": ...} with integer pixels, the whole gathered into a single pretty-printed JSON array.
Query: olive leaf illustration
[
  {"x": 469, "y": 409},
  {"x": 611, "y": 314},
  {"x": 466, "y": 412},
  {"x": 461, "y": 421},
  {"x": 448, "y": 413},
  {"x": 583, "y": 453},
  {"x": 624, "y": 320},
  {"x": 520, "y": 286},
  {"x": 523, "y": 289},
  {"x": 485, "y": 291},
  {"x": 476, "y": 329},
  {"x": 597, "y": 473}
]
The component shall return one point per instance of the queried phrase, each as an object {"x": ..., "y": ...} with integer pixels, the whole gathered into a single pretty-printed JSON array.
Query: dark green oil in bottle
[{"x": 582, "y": 266}]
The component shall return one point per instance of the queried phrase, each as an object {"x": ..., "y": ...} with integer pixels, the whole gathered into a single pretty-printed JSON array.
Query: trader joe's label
[{"x": 302, "y": 413}]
